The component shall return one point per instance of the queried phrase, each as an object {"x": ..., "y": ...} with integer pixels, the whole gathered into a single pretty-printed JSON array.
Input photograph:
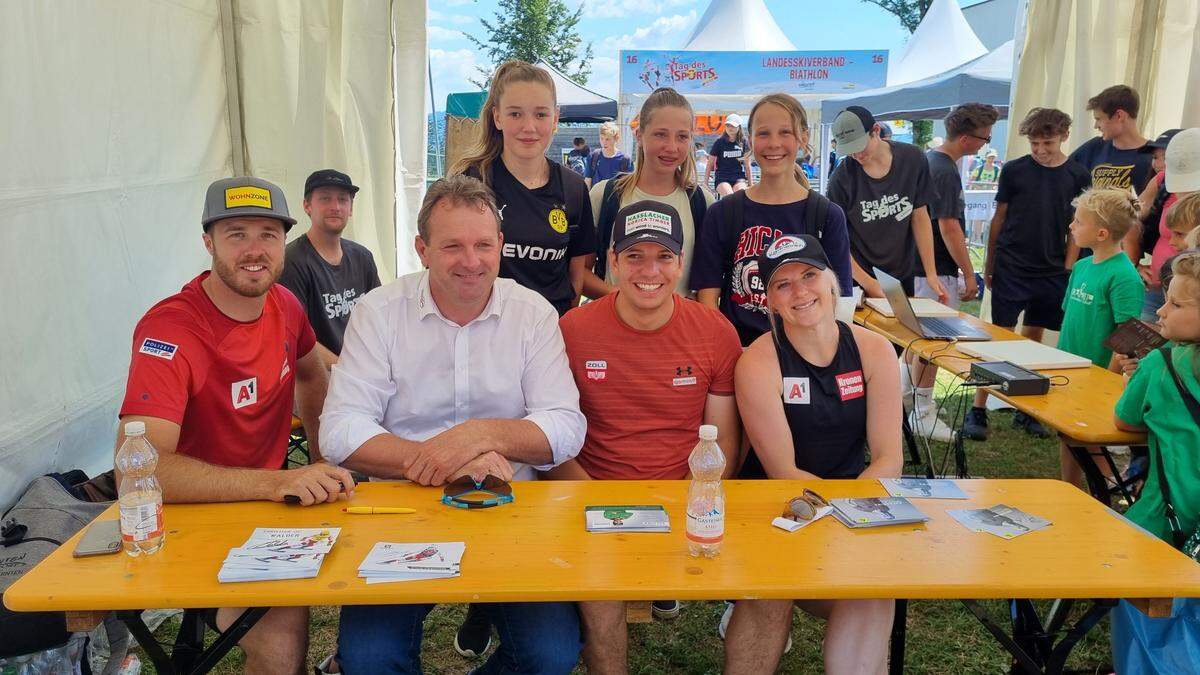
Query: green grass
[{"x": 943, "y": 637}]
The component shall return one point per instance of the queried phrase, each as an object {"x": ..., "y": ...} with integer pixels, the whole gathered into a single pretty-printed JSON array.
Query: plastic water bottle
[
  {"x": 706, "y": 498},
  {"x": 139, "y": 495}
]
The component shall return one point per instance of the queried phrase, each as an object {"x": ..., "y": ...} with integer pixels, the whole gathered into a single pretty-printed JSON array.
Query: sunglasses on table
[
  {"x": 805, "y": 506},
  {"x": 467, "y": 493}
]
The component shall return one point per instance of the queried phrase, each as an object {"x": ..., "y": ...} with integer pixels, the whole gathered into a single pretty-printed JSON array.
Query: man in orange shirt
[{"x": 651, "y": 367}]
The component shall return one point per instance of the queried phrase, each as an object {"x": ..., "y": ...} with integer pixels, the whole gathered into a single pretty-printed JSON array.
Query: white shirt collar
[{"x": 426, "y": 305}]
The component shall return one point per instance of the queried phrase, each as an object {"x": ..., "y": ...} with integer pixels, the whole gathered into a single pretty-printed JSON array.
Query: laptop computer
[{"x": 934, "y": 328}]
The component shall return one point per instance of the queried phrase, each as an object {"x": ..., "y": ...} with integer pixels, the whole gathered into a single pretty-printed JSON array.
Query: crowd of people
[{"x": 698, "y": 311}]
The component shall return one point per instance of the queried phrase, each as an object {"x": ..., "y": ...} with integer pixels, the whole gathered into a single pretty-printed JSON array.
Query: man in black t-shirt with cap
[{"x": 327, "y": 272}]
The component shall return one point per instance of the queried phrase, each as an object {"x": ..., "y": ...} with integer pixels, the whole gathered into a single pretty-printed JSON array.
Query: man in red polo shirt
[
  {"x": 212, "y": 376},
  {"x": 651, "y": 367}
]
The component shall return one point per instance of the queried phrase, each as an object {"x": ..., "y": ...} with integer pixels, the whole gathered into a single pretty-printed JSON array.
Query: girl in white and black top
[{"x": 730, "y": 156}]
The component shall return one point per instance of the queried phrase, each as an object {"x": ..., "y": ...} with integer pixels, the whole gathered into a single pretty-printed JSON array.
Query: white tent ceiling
[
  {"x": 735, "y": 26},
  {"x": 943, "y": 41}
]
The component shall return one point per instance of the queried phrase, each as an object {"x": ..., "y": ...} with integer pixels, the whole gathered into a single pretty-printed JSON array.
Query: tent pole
[
  {"x": 233, "y": 99},
  {"x": 826, "y": 146},
  {"x": 437, "y": 158}
]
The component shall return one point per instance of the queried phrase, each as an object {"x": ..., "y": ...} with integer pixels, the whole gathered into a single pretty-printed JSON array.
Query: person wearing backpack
[
  {"x": 738, "y": 228},
  {"x": 1161, "y": 399},
  {"x": 606, "y": 161},
  {"x": 665, "y": 172}
]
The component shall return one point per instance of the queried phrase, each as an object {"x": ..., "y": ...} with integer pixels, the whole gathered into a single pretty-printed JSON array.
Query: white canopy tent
[
  {"x": 942, "y": 41},
  {"x": 737, "y": 25},
  {"x": 127, "y": 112}
]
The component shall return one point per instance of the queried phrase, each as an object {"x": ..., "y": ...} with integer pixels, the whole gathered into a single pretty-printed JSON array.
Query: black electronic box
[{"x": 1010, "y": 378}]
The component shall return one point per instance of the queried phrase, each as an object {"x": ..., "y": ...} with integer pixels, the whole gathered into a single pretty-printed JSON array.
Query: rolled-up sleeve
[
  {"x": 360, "y": 387},
  {"x": 551, "y": 398}
]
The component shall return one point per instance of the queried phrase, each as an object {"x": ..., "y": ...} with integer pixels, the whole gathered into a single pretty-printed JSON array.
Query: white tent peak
[
  {"x": 943, "y": 41},
  {"x": 737, "y": 25}
]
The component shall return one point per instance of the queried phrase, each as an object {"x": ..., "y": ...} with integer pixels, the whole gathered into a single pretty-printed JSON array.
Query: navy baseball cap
[
  {"x": 648, "y": 221},
  {"x": 328, "y": 178},
  {"x": 791, "y": 248}
]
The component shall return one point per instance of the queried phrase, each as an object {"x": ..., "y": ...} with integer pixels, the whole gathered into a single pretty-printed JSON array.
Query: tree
[
  {"x": 910, "y": 12},
  {"x": 530, "y": 30}
]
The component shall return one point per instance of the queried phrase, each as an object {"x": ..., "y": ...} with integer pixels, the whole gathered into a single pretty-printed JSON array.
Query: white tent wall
[
  {"x": 117, "y": 119},
  {"x": 1075, "y": 48},
  {"x": 315, "y": 84},
  {"x": 410, "y": 59}
]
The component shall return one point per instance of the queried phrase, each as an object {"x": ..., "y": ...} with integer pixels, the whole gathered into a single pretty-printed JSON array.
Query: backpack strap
[
  {"x": 609, "y": 205},
  {"x": 699, "y": 207},
  {"x": 1193, "y": 406},
  {"x": 815, "y": 215},
  {"x": 735, "y": 212}
]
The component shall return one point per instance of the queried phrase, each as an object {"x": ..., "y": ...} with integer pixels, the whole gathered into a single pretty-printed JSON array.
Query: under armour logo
[{"x": 681, "y": 370}]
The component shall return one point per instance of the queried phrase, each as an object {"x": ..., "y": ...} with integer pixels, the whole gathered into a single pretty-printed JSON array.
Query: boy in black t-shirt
[
  {"x": 1030, "y": 252},
  {"x": 327, "y": 272},
  {"x": 1119, "y": 158}
]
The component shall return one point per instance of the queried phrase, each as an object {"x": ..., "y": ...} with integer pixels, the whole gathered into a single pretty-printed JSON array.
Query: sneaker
[
  {"x": 925, "y": 423},
  {"x": 1137, "y": 469},
  {"x": 975, "y": 425},
  {"x": 724, "y": 625},
  {"x": 665, "y": 609},
  {"x": 474, "y": 636},
  {"x": 329, "y": 666},
  {"x": 1029, "y": 425}
]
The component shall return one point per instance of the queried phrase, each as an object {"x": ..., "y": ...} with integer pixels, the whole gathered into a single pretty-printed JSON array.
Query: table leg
[
  {"x": 1097, "y": 485},
  {"x": 1032, "y": 647},
  {"x": 914, "y": 449},
  {"x": 189, "y": 655},
  {"x": 899, "y": 632}
]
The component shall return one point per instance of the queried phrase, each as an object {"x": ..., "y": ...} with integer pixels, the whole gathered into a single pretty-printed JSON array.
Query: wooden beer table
[
  {"x": 1078, "y": 407},
  {"x": 536, "y": 549}
]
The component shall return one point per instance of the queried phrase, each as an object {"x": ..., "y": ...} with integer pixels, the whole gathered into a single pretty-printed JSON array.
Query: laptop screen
[{"x": 893, "y": 290}]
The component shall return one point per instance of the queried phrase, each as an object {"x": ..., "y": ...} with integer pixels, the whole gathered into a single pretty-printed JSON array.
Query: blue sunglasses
[{"x": 467, "y": 493}]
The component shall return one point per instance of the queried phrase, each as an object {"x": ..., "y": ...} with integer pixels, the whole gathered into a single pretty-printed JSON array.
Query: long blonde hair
[
  {"x": 799, "y": 125},
  {"x": 685, "y": 174},
  {"x": 489, "y": 142}
]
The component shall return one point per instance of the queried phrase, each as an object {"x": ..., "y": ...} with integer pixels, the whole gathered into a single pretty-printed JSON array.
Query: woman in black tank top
[{"x": 814, "y": 394}]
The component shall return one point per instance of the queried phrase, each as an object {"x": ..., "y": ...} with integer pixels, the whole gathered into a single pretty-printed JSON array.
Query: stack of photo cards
[
  {"x": 652, "y": 518},
  {"x": 923, "y": 488},
  {"x": 279, "y": 553},
  {"x": 1000, "y": 520},
  {"x": 876, "y": 511},
  {"x": 411, "y": 562}
]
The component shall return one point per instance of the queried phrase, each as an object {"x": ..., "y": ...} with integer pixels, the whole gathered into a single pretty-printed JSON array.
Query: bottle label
[
  {"x": 707, "y": 528},
  {"x": 141, "y": 522}
]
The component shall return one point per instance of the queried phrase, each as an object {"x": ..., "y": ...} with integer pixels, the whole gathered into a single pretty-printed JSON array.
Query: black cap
[
  {"x": 791, "y": 248},
  {"x": 1163, "y": 139},
  {"x": 648, "y": 221},
  {"x": 328, "y": 178}
]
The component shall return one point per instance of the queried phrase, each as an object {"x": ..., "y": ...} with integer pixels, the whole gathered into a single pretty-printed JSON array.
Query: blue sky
[{"x": 613, "y": 25}]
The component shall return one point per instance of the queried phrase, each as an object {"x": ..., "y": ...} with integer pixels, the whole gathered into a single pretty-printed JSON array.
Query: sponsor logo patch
[
  {"x": 247, "y": 196},
  {"x": 784, "y": 245},
  {"x": 683, "y": 381},
  {"x": 163, "y": 350},
  {"x": 596, "y": 375},
  {"x": 596, "y": 365},
  {"x": 596, "y": 369},
  {"x": 648, "y": 220},
  {"x": 850, "y": 385},
  {"x": 286, "y": 369},
  {"x": 244, "y": 393},
  {"x": 795, "y": 390}
]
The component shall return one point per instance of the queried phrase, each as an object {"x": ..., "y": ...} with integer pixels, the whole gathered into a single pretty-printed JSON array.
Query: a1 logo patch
[
  {"x": 795, "y": 390},
  {"x": 244, "y": 393},
  {"x": 850, "y": 385}
]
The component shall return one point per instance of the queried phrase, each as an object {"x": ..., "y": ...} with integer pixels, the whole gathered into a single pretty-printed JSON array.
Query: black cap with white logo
[
  {"x": 648, "y": 221},
  {"x": 328, "y": 178},
  {"x": 791, "y": 248}
]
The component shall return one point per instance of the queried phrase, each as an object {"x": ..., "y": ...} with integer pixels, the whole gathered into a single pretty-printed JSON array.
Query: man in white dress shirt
[{"x": 448, "y": 372}]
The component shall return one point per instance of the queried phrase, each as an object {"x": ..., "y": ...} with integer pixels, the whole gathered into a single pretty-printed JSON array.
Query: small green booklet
[{"x": 641, "y": 518}]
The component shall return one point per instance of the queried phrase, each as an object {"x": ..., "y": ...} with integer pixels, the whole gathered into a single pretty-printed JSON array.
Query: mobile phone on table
[{"x": 102, "y": 537}]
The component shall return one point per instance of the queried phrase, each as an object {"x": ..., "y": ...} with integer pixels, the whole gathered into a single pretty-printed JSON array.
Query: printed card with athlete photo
[
  {"x": 876, "y": 511},
  {"x": 1001, "y": 520},
  {"x": 923, "y": 488}
]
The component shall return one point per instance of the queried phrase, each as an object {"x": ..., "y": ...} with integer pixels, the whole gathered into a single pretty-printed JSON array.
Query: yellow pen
[{"x": 369, "y": 510}]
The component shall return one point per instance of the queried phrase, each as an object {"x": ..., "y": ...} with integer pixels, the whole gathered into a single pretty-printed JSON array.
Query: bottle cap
[
  {"x": 135, "y": 428},
  {"x": 708, "y": 432}
]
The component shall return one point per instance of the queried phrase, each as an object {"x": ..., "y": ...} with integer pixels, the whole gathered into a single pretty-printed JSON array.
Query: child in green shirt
[
  {"x": 1152, "y": 403},
  {"x": 1104, "y": 290}
]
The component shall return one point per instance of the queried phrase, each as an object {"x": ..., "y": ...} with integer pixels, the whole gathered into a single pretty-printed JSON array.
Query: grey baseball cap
[
  {"x": 245, "y": 196},
  {"x": 852, "y": 129}
]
